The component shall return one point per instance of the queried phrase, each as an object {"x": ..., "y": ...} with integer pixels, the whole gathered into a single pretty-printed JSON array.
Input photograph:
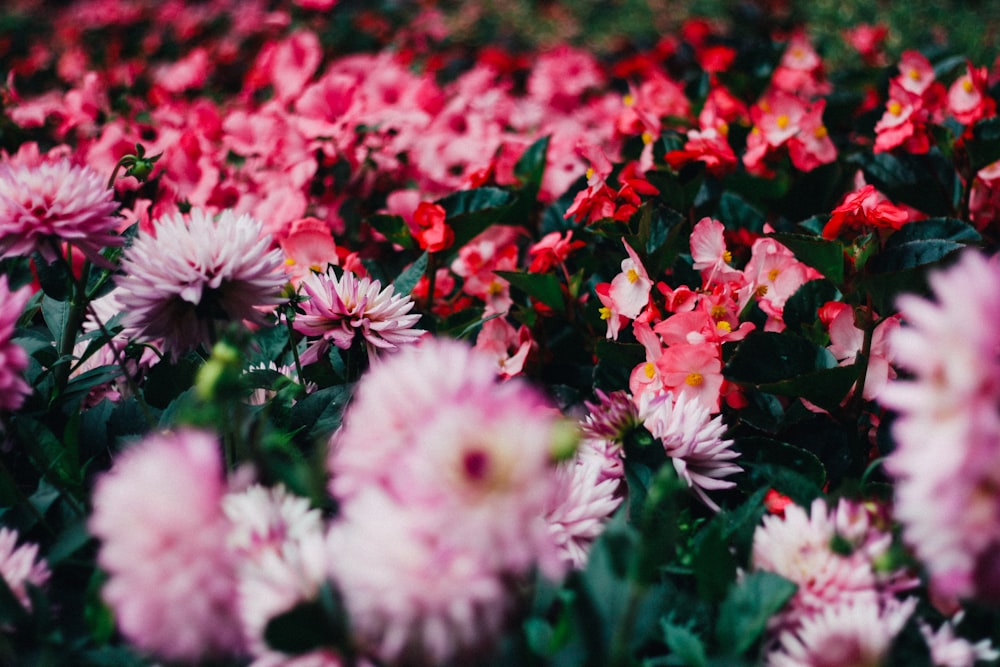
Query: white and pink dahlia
[
  {"x": 434, "y": 428},
  {"x": 172, "y": 577},
  {"x": 693, "y": 440},
  {"x": 53, "y": 202},
  {"x": 415, "y": 595},
  {"x": 20, "y": 566},
  {"x": 950, "y": 650},
  {"x": 341, "y": 308},
  {"x": 196, "y": 271},
  {"x": 855, "y": 634},
  {"x": 947, "y": 457},
  {"x": 13, "y": 358}
]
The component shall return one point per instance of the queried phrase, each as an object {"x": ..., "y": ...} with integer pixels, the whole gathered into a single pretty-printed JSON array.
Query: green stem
[
  {"x": 122, "y": 364},
  {"x": 77, "y": 308},
  {"x": 620, "y": 642}
]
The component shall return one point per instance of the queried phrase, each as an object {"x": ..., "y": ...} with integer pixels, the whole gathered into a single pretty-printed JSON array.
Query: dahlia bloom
[
  {"x": 194, "y": 271},
  {"x": 947, "y": 459},
  {"x": 340, "y": 308},
  {"x": 692, "y": 440},
  {"x": 433, "y": 429},
  {"x": 950, "y": 650},
  {"x": 13, "y": 358},
  {"x": 857, "y": 634},
  {"x": 45, "y": 204},
  {"x": 20, "y": 566},
  {"x": 172, "y": 577}
]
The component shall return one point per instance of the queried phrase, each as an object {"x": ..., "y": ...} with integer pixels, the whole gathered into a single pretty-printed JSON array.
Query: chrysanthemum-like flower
[
  {"x": 846, "y": 635},
  {"x": 279, "y": 543},
  {"x": 611, "y": 416},
  {"x": 414, "y": 596},
  {"x": 20, "y": 566},
  {"x": 693, "y": 441},
  {"x": 13, "y": 358},
  {"x": 432, "y": 427},
  {"x": 45, "y": 204},
  {"x": 340, "y": 308},
  {"x": 172, "y": 576},
  {"x": 947, "y": 459},
  {"x": 196, "y": 271},
  {"x": 950, "y": 650}
]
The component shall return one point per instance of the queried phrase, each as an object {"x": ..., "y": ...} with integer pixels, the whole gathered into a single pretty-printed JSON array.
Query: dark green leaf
[
  {"x": 56, "y": 314},
  {"x": 309, "y": 625},
  {"x": 658, "y": 527},
  {"x": 765, "y": 357},
  {"x": 530, "y": 167},
  {"x": 736, "y": 213},
  {"x": 53, "y": 278},
  {"x": 394, "y": 228},
  {"x": 713, "y": 563},
  {"x": 941, "y": 229},
  {"x": 469, "y": 212},
  {"x": 765, "y": 451},
  {"x": 744, "y": 614},
  {"x": 984, "y": 147},
  {"x": 912, "y": 254},
  {"x": 801, "y": 309},
  {"x": 826, "y": 388},
  {"x": 927, "y": 182},
  {"x": 684, "y": 644},
  {"x": 409, "y": 278},
  {"x": 615, "y": 362},
  {"x": 825, "y": 256},
  {"x": 543, "y": 287},
  {"x": 319, "y": 413}
]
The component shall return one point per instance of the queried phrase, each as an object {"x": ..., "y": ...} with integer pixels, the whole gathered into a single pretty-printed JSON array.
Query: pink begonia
[
  {"x": 588, "y": 493},
  {"x": 798, "y": 546},
  {"x": 189, "y": 72},
  {"x": 645, "y": 377},
  {"x": 693, "y": 370},
  {"x": 338, "y": 309},
  {"x": 44, "y": 205},
  {"x": 171, "y": 576},
  {"x": 968, "y": 98},
  {"x": 916, "y": 74},
  {"x": 811, "y": 146},
  {"x": 864, "y": 209},
  {"x": 552, "y": 250},
  {"x": 13, "y": 358},
  {"x": 773, "y": 274},
  {"x": 281, "y": 556},
  {"x": 415, "y": 592},
  {"x": 950, "y": 650},
  {"x": 708, "y": 250},
  {"x": 800, "y": 69},
  {"x": 509, "y": 346},
  {"x": 693, "y": 441},
  {"x": 479, "y": 259},
  {"x": 20, "y": 566},
  {"x": 308, "y": 246},
  {"x": 561, "y": 76},
  {"x": 984, "y": 201},
  {"x": 630, "y": 289},
  {"x": 946, "y": 463},
  {"x": 846, "y": 342},
  {"x": 195, "y": 271},
  {"x": 854, "y": 634},
  {"x": 435, "y": 430},
  {"x": 287, "y": 65}
]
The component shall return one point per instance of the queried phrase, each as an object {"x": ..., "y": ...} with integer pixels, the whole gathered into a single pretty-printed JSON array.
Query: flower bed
[{"x": 329, "y": 341}]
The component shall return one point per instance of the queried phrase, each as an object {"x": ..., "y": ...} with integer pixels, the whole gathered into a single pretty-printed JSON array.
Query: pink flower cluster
[{"x": 13, "y": 358}]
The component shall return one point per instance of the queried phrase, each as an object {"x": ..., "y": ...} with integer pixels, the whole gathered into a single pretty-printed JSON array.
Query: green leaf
[
  {"x": 470, "y": 212},
  {"x": 543, "y": 287},
  {"x": 942, "y": 229},
  {"x": 713, "y": 562},
  {"x": 927, "y": 182},
  {"x": 984, "y": 147},
  {"x": 826, "y": 388},
  {"x": 409, "y": 278},
  {"x": 802, "y": 308},
  {"x": 658, "y": 528},
  {"x": 530, "y": 167},
  {"x": 394, "y": 228},
  {"x": 56, "y": 314},
  {"x": 911, "y": 254},
  {"x": 756, "y": 451},
  {"x": 320, "y": 412},
  {"x": 765, "y": 357},
  {"x": 310, "y": 625},
  {"x": 615, "y": 362},
  {"x": 744, "y": 614},
  {"x": 825, "y": 256},
  {"x": 736, "y": 213},
  {"x": 684, "y": 644}
]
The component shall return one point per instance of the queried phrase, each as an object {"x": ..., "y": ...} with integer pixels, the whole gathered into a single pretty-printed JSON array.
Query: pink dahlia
[
  {"x": 340, "y": 308},
  {"x": 947, "y": 458},
  {"x": 693, "y": 441},
  {"x": 195, "y": 271},
  {"x": 857, "y": 634},
  {"x": 20, "y": 566},
  {"x": 43, "y": 205},
  {"x": 13, "y": 358},
  {"x": 951, "y": 650},
  {"x": 172, "y": 577},
  {"x": 434, "y": 429},
  {"x": 414, "y": 596}
]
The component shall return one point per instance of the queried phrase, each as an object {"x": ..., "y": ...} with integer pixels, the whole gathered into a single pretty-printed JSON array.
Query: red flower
[
  {"x": 865, "y": 208},
  {"x": 430, "y": 229}
]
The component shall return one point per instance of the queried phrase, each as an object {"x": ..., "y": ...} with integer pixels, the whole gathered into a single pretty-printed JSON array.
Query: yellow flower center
[
  {"x": 967, "y": 85},
  {"x": 494, "y": 288},
  {"x": 718, "y": 312},
  {"x": 289, "y": 262},
  {"x": 782, "y": 121},
  {"x": 723, "y": 128},
  {"x": 628, "y": 100},
  {"x": 914, "y": 74},
  {"x": 772, "y": 274},
  {"x": 727, "y": 256},
  {"x": 761, "y": 291},
  {"x": 895, "y": 108},
  {"x": 647, "y": 138},
  {"x": 590, "y": 173},
  {"x": 605, "y": 313},
  {"x": 723, "y": 325},
  {"x": 650, "y": 369},
  {"x": 632, "y": 275},
  {"x": 820, "y": 132},
  {"x": 694, "y": 379}
]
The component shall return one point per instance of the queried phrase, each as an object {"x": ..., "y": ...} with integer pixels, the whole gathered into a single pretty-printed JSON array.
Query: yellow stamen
[
  {"x": 289, "y": 262},
  {"x": 967, "y": 84},
  {"x": 914, "y": 74},
  {"x": 605, "y": 313},
  {"x": 727, "y": 256},
  {"x": 718, "y": 312},
  {"x": 494, "y": 288},
  {"x": 647, "y": 138},
  {"x": 650, "y": 370},
  {"x": 782, "y": 121},
  {"x": 590, "y": 173},
  {"x": 772, "y": 274},
  {"x": 628, "y": 100},
  {"x": 632, "y": 275},
  {"x": 820, "y": 132},
  {"x": 694, "y": 379},
  {"x": 316, "y": 267},
  {"x": 895, "y": 108},
  {"x": 761, "y": 291},
  {"x": 723, "y": 325},
  {"x": 723, "y": 129}
]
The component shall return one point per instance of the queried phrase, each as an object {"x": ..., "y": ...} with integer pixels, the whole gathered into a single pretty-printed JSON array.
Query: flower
[
  {"x": 947, "y": 459},
  {"x": 949, "y": 650},
  {"x": 848, "y": 635},
  {"x": 340, "y": 308},
  {"x": 55, "y": 201},
  {"x": 708, "y": 250},
  {"x": 20, "y": 566},
  {"x": 194, "y": 271},
  {"x": 429, "y": 228},
  {"x": 692, "y": 440},
  {"x": 172, "y": 577},
  {"x": 433, "y": 428},
  {"x": 13, "y": 358},
  {"x": 630, "y": 289},
  {"x": 863, "y": 209}
]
